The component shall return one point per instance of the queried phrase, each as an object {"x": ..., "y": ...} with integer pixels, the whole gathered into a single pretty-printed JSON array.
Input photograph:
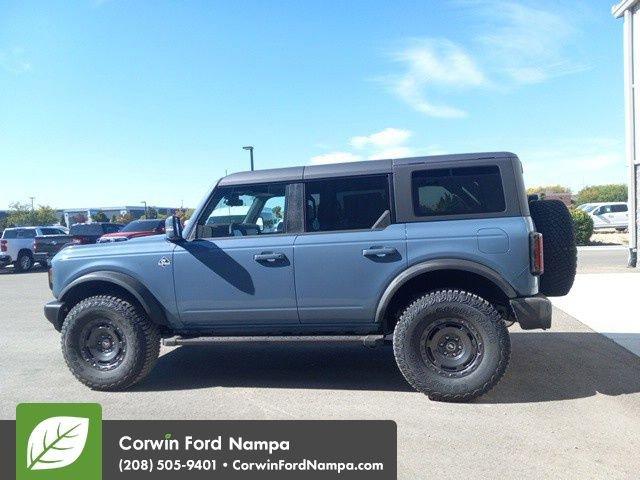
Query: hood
[{"x": 129, "y": 234}]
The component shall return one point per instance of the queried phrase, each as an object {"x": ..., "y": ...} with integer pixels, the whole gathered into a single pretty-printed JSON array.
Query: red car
[{"x": 137, "y": 228}]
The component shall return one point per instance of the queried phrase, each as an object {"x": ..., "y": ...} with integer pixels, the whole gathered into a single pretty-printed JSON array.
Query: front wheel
[
  {"x": 108, "y": 343},
  {"x": 451, "y": 345}
]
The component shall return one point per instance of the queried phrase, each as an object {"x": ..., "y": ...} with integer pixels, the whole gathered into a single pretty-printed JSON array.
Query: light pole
[
  {"x": 145, "y": 208},
  {"x": 250, "y": 148},
  {"x": 33, "y": 198}
]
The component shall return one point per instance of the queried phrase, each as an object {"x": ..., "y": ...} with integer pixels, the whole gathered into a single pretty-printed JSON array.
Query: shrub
[{"x": 582, "y": 226}]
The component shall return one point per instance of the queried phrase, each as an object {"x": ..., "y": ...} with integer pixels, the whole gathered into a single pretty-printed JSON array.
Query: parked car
[
  {"x": 610, "y": 215},
  {"x": 88, "y": 233},
  {"x": 439, "y": 253},
  {"x": 137, "y": 228},
  {"x": 16, "y": 245},
  {"x": 45, "y": 247}
]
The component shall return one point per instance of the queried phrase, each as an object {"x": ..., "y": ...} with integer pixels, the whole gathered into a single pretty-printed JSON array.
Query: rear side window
[
  {"x": 457, "y": 191},
  {"x": 618, "y": 208},
  {"x": 50, "y": 231},
  {"x": 346, "y": 203},
  {"x": 9, "y": 234},
  {"x": 27, "y": 233}
]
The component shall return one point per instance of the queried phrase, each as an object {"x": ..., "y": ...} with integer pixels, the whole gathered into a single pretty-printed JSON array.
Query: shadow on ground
[{"x": 544, "y": 366}]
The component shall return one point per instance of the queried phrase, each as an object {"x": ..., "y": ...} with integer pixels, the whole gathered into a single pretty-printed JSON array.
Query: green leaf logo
[{"x": 56, "y": 442}]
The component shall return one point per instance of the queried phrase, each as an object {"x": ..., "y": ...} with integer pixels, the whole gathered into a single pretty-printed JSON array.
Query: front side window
[
  {"x": 457, "y": 191},
  {"x": 346, "y": 203},
  {"x": 244, "y": 211}
]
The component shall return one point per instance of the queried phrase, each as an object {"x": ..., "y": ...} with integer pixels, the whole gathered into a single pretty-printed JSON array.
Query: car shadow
[
  {"x": 223, "y": 265},
  {"x": 545, "y": 366}
]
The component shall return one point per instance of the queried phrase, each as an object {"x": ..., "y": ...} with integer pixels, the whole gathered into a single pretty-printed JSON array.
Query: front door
[
  {"x": 342, "y": 263},
  {"x": 239, "y": 269}
]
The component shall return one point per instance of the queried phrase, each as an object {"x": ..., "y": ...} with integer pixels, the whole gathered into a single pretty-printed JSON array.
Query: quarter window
[
  {"x": 457, "y": 191},
  {"x": 346, "y": 203},
  {"x": 618, "y": 208}
]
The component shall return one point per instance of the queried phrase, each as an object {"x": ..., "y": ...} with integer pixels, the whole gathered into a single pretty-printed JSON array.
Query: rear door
[
  {"x": 342, "y": 264},
  {"x": 238, "y": 272},
  {"x": 620, "y": 215}
]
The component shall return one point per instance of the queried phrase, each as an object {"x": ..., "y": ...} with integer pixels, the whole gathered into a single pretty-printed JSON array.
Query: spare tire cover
[{"x": 553, "y": 220}]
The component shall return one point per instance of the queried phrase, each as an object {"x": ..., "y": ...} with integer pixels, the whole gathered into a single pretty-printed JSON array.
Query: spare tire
[{"x": 553, "y": 220}]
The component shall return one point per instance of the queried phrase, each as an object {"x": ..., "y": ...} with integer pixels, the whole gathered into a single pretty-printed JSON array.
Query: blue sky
[{"x": 114, "y": 102}]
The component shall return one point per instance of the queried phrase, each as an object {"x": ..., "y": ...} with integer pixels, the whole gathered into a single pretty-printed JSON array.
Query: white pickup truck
[{"x": 16, "y": 245}]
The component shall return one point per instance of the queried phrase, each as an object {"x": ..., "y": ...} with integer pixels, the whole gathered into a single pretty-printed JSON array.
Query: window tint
[
  {"x": 618, "y": 208},
  {"x": 244, "y": 210},
  {"x": 346, "y": 203},
  {"x": 10, "y": 234},
  {"x": 457, "y": 191},
  {"x": 143, "y": 225},
  {"x": 27, "y": 233},
  {"x": 50, "y": 231}
]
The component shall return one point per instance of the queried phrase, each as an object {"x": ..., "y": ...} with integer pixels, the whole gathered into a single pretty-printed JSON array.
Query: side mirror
[{"x": 173, "y": 229}]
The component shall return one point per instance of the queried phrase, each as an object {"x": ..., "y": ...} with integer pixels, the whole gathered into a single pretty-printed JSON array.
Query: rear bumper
[
  {"x": 4, "y": 260},
  {"x": 532, "y": 312},
  {"x": 44, "y": 259},
  {"x": 54, "y": 313}
]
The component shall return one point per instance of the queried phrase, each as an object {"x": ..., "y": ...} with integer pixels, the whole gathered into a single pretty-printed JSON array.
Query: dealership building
[
  {"x": 630, "y": 11},
  {"x": 82, "y": 215}
]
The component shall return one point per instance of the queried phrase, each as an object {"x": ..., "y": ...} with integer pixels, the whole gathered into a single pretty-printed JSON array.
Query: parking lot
[{"x": 567, "y": 407}]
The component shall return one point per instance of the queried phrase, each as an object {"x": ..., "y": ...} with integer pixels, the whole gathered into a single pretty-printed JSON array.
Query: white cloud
[
  {"x": 431, "y": 65},
  {"x": 335, "y": 157},
  {"x": 387, "y": 143},
  {"x": 575, "y": 162},
  {"x": 527, "y": 44},
  {"x": 13, "y": 60},
  {"x": 514, "y": 44},
  {"x": 386, "y": 138},
  {"x": 393, "y": 152}
]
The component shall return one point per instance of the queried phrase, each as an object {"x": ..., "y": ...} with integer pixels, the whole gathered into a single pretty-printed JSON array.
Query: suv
[
  {"x": 440, "y": 254},
  {"x": 16, "y": 245}
]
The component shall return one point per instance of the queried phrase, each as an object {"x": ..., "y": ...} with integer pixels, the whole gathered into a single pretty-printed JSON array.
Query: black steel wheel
[
  {"x": 108, "y": 343},
  {"x": 451, "y": 345}
]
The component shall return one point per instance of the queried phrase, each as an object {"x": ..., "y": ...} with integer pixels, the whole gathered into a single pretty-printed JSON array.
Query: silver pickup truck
[{"x": 16, "y": 245}]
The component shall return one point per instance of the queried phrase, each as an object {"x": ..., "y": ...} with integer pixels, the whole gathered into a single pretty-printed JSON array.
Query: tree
[
  {"x": 151, "y": 214},
  {"x": 100, "y": 217},
  {"x": 183, "y": 214},
  {"x": 124, "y": 218},
  {"x": 21, "y": 215},
  {"x": 548, "y": 189},
  {"x": 114, "y": 218},
  {"x": 602, "y": 193},
  {"x": 277, "y": 211}
]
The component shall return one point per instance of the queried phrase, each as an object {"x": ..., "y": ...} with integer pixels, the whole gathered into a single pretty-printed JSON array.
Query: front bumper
[
  {"x": 532, "y": 312},
  {"x": 54, "y": 311}
]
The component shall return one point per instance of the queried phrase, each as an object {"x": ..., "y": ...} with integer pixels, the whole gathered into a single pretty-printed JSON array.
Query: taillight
[
  {"x": 35, "y": 246},
  {"x": 76, "y": 241},
  {"x": 3, "y": 245},
  {"x": 536, "y": 253}
]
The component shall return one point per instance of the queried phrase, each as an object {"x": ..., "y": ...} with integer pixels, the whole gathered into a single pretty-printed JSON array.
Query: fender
[
  {"x": 441, "y": 264},
  {"x": 152, "y": 307}
]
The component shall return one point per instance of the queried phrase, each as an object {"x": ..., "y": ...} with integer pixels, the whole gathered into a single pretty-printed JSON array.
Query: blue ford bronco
[{"x": 439, "y": 254}]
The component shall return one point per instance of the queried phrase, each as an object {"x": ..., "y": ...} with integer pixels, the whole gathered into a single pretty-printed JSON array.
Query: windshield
[{"x": 143, "y": 226}]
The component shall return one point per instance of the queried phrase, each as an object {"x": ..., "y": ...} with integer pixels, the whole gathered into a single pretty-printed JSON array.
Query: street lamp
[
  {"x": 250, "y": 148},
  {"x": 145, "y": 208}
]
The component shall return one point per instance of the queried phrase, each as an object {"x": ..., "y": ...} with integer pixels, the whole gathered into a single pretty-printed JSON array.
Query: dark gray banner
[{"x": 175, "y": 449}]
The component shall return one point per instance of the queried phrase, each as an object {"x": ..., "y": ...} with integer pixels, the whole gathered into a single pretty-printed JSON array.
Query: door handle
[
  {"x": 379, "y": 251},
  {"x": 269, "y": 257}
]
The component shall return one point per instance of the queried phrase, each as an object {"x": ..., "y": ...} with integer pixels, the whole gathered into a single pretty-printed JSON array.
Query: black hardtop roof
[{"x": 367, "y": 167}]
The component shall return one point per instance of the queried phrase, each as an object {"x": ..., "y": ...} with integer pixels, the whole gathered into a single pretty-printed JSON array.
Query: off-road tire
[
  {"x": 141, "y": 335},
  {"x": 553, "y": 220},
  {"x": 24, "y": 263},
  {"x": 420, "y": 316}
]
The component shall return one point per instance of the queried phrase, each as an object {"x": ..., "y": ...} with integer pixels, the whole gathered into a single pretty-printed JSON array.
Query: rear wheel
[
  {"x": 108, "y": 344},
  {"x": 24, "y": 262},
  {"x": 451, "y": 345}
]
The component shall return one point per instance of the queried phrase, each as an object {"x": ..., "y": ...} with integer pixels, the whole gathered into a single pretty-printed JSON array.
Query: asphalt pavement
[{"x": 566, "y": 408}]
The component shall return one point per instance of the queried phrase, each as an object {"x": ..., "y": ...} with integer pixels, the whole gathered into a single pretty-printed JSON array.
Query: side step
[{"x": 367, "y": 340}]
